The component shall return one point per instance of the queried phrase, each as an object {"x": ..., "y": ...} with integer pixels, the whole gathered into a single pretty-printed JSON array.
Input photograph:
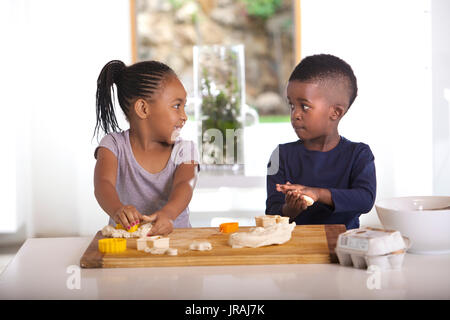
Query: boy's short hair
[{"x": 326, "y": 68}]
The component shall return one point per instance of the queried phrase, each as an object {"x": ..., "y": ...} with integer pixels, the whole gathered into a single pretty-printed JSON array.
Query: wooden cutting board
[{"x": 308, "y": 244}]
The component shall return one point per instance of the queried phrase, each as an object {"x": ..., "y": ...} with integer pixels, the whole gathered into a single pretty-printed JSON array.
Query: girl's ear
[
  {"x": 337, "y": 112},
  {"x": 142, "y": 109}
]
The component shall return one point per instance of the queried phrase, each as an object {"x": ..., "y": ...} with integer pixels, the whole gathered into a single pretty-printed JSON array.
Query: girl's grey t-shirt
[{"x": 136, "y": 186}]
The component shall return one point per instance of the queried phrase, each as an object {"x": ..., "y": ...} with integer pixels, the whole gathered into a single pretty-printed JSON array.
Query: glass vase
[{"x": 219, "y": 90}]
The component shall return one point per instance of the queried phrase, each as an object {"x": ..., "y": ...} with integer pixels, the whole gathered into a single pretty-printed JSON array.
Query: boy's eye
[{"x": 305, "y": 107}]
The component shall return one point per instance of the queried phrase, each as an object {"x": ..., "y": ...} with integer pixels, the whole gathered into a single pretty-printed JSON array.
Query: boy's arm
[
  {"x": 276, "y": 201},
  {"x": 360, "y": 196},
  {"x": 275, "y": 174},
  {"x": 185, "y": 179}
]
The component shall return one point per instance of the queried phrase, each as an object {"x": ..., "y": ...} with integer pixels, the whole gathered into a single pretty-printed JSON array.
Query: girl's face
[
  {"x": 310, "y": 110},
  {"x": 167, "y": 110}
]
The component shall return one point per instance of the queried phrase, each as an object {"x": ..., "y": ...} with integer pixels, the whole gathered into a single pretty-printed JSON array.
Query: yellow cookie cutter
[
  {"x": 132, "y": 229},
  {"x": 112, "y": 245}
]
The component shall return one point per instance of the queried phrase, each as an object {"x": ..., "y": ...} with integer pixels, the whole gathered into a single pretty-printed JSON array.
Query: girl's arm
[
  {"x": 105, "y": 190},
  {"x": 185, "y": 179}
]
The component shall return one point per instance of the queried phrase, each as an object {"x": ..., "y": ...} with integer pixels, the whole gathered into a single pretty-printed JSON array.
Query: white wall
[
  {"x": 440, "y": 12},
  {"x": 388, "y": 45},
  {"x": 57, "y": 49},
  {"x": 8, "y": 19}
]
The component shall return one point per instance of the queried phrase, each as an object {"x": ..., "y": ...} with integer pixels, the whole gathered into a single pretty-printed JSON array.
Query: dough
[
  {"x": 158, "y": 250},
  {"x": 200, "y": 246},
  {"x": 266, "y": 221},
  {"x": 270, "y": 220},
  {"x": 160, "y": 243},
  {"x": 309, "y": 200},
  {"x": 168, "y": 251},
  {"x": 172, "y": 252},
  {"x": 141, "y": 232},
  {"x": 257, "y": 237},
  {"x": 141, "y": 244},
  {"x": 283, "y": 220}
]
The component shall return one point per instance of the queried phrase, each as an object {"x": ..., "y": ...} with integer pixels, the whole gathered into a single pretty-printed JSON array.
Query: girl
[{"x": 147, "y": 169}]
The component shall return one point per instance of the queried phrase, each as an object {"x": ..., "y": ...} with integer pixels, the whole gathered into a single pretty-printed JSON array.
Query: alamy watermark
[
  {"x": 226, "y": 147},
  {"x": 374, "y": 280},
  {"x": 74, "y": 279}
]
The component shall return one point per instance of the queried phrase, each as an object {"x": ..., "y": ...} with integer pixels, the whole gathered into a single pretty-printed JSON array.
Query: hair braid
[{"x": 140, "y": 80}]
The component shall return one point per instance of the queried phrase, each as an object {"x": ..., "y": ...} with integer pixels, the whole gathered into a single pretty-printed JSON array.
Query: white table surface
[{"x": 40, "y": 271}]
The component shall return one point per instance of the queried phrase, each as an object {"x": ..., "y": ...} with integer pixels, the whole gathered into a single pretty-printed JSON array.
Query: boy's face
[{"x": 311, "y": 113}]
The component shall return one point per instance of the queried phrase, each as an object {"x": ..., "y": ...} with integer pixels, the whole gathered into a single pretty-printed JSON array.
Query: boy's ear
[
  {"x": 142, "y": 109},
  {"x": 337, "y": 112}
]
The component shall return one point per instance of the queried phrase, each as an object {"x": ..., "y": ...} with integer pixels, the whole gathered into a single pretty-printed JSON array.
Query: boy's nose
[{"x": 297, "y": 114}]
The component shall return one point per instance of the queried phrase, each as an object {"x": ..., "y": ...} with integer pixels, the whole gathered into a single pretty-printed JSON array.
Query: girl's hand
[
  {"x": 162, "y": 225},
  {"x": 127, "y": 216}
]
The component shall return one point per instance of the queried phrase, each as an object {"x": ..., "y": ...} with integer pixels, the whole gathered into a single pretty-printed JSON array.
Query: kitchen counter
[{"x": 48, "y": 268}]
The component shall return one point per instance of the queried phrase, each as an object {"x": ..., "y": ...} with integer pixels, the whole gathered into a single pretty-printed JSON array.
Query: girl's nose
[{"x": 183, "y": 115}]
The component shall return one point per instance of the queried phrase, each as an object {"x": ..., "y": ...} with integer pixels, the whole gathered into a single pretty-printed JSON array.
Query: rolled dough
[
  {"x": 258, "y": 237},
  {"x": 200, "y": 246}
]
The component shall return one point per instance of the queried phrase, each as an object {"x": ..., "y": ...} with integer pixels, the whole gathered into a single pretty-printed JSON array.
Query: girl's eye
[{"x": 178, "y": 106}]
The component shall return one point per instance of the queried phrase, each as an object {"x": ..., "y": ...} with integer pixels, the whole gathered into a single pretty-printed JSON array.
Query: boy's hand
[
  {"x": 294, "y": 202},
  {"x": 313, "y": 193},
  {"x": 127, "y": 216},
  {"x": 162, "y": 225}
]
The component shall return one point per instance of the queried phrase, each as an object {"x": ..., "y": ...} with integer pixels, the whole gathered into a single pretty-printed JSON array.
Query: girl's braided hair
[{"x": 140, "y": 80}]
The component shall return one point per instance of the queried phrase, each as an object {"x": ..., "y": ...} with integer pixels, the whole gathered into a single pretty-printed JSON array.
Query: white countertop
[{"x": 42, "y": 270}]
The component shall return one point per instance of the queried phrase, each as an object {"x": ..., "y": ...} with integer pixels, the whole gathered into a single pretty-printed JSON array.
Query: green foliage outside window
[{"x": 262, "y": 8}]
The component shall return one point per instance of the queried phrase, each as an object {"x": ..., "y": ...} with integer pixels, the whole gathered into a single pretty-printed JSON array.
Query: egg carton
[
  {"x": 368, "y": 246},
  {"x": 362, "y": 261}
]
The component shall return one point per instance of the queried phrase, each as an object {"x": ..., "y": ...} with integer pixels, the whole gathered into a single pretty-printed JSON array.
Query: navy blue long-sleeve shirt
[{"x": 348, "y": 171}]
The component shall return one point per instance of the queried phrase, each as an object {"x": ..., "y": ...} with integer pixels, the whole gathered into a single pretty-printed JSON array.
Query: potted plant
[{"x": 220, "y": 91}]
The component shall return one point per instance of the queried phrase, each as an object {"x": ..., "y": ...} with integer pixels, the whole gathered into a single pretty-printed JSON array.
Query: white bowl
[{"x": 428, "y": 230}]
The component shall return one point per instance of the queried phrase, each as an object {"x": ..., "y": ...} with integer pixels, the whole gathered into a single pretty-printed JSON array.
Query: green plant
[
  {"x": 262, "y": 8},
  {"x": 274, "y": 119},
  {"x": 221, "y": 111},
  {"x": 177, "y": 4}
]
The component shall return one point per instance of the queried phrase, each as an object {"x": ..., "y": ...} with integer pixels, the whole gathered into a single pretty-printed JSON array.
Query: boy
[{"x": 339, "y": 175}]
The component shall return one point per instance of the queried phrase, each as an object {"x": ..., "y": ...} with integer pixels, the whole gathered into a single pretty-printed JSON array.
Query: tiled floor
[{"x": 7, "y": 254}]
